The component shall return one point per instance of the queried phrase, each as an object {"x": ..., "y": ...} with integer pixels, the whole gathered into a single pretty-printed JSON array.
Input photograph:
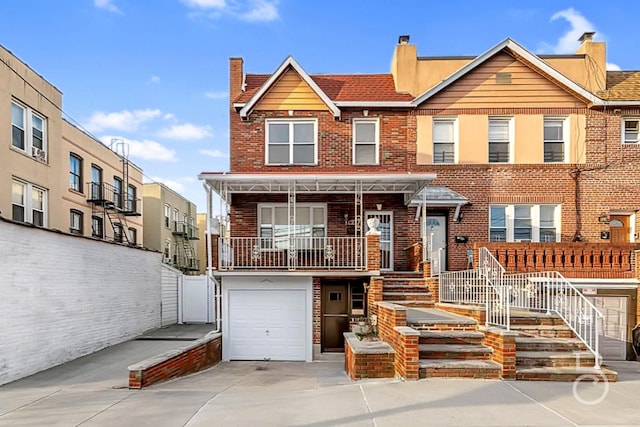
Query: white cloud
[
  {"x": 145, "y": 149},
  {"x": 221, "y": 94},
  {"x": 568, "y": 42},
  {"x": 153, "y": 80},
  {"x": 185, "y": 132},
  {"x": 106, "y": 5},
  {"x": 124, "y": 120},
  {"x": 215, "y": 154},
  {"x": 172, "y": 184},
  {"x": 612, "y": 67},
  {"x": 261, "y": 10},
  {"x": 245, "y": 10},
  {"x": 168, "y": 116}
]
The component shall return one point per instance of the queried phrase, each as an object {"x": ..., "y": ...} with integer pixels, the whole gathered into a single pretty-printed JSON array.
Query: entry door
[
  {"x": 386, "y": 237},
  {"x": 437, "y": 236},
  {"x": 335, "y": 316},
  {"x": 612, "y": 327},
  {"x": 620, "y": 228}
]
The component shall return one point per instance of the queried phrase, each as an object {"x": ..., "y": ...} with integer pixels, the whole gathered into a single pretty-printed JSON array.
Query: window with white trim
[
  {"x": 75, "y": 221},
  {"x": 310, "y": 221},
  {"x": 499, "y": 139},
  {"x": 176, "y": 219},
  {"x": 366, "y": 140},
  {"x": 167, "y": 213},
  {"x": 28, "y": 130},
  {"x": 554, "y": 139},
  {"x": 444, "y": 140},
  {"x": 29, "y": 203},
  {"x": 291, "y": 142},
  {"x": 75, "y": 172},
  {"x": 524, "y": 223},
  {"x": 630, "y": 131}
]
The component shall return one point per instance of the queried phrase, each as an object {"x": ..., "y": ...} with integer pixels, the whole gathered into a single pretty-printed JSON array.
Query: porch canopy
[
  {"x": 439, "y": 196},
  {"x": 226, "y": 184}
]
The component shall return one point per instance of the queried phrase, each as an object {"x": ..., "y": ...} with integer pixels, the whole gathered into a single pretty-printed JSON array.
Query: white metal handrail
[
  {"x": 462, "y": 287},
  {"x": 298, "y": 253},
  {"x": 498, "y": 310},
  {"x": 551, "y": 292}
]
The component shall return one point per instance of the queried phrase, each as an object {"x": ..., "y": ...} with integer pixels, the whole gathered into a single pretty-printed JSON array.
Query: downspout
[{"x": 217, "y": 296}]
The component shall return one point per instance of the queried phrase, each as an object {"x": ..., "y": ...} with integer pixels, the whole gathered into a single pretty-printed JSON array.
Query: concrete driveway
[{"x": 90, "y": 392}]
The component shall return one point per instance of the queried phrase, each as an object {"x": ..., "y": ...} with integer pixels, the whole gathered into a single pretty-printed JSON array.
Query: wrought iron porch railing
[
  {"x": 297, "y": 253},
  {"x": 463, "y": 287},
  {"x": 498, "y": 310}
]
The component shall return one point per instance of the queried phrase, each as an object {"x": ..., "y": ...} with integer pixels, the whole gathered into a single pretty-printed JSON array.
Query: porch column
[{"x": 373, "y": 245}]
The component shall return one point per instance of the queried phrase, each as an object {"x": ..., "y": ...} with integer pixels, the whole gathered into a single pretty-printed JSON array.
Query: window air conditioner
[{"x": 38, "y": 153}]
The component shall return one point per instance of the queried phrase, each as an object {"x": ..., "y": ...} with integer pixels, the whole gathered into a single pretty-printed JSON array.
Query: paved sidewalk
[{"x": 90, "y": 392}]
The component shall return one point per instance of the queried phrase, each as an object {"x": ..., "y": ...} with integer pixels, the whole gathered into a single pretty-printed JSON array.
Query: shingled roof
[
  {"x": 622, "y": 86},
  {"x": 339, "y": 87}
]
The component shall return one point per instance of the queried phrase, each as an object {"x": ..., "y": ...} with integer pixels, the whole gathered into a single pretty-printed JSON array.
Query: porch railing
[
  {"x": 498, "y": 310},
  {"x": 297, "y": 253},
  {"x": 463, "y": 287}
]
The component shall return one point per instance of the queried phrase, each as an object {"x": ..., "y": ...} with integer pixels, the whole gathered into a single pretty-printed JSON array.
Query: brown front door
[
  {"x": 335, "y": 316},
  {"x": 620, "y": 228}
]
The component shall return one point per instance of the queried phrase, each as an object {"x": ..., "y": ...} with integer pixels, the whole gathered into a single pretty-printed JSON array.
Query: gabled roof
[
  {"x": 524, "y": 54},
  {"x": 289, "y": 62},
  {"x": 340, "y": 88},
  {"x": 622, "y": 86}
]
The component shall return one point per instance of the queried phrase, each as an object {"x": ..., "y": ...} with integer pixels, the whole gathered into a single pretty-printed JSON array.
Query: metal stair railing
[{"x": 498, "y": 310}]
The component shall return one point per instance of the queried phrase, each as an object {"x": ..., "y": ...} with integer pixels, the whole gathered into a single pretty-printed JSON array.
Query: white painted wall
[
  {"x": 171, "y": 279},
  {"x": 62, "y": 297}
]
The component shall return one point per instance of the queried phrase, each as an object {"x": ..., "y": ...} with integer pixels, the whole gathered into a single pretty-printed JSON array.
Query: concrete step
[
  {"x": 418, "y": 296},
  {"x": 454, "y": 351},
  {"x": 554, "y": 359},
  {"x": 444, "y": 325},
  {"x": 519, "y": 318},
  {"x": 565, "y": 374},
  {"x": 526, "y": 343},
  {"x": 402, "y": 275},
  {"x": 451, "y": 337},
  {"x": 412, "y": 303},
  {"x": 448, "y": 368},
  {"x": 547, "y": 331},
  {"x": 412, "y": 287}
]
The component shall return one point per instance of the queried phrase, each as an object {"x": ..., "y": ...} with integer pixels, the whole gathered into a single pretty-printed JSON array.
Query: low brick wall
[
  {"x": 413, "y": 255},
  {"x": 475, "y": 312},
  {"x": 392, "y": 327},
  {"x": 368, "y": 359},
  {"x": 199, "y": 355},
  {"x": 503, "y": 344},
  {"x": 374, "y": 294}
]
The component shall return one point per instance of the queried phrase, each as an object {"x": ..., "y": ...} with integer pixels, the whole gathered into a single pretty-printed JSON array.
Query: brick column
[
  {"x": 503, "y": 344},
  {"x": 374, "y": 294},
  {"x": 215, "y": 242},
  {"x": 407, "y": 353},
  {"x": 373, "y": 251}
]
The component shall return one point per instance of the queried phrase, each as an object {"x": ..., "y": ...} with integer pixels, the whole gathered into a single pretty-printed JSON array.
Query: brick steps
[
  {"x": 521, "y": 319},
  {"x": 564, "y": 374},
  {"x": 553, "y": 359},
  {"x": 547, "y": 331},
  {"x": 448, "y": 368},
  {"x": 526, "y": 343},
  {"x": 399, "y": 296},
  {"x": 451, "y": 337},
  {"x": 469, "y": 325},
  {"x": 402, "y": 275},
  {"x": 407, "y": 289},
  {"x": 454, "y": 351},
  {"x": 413, "y": 303}
]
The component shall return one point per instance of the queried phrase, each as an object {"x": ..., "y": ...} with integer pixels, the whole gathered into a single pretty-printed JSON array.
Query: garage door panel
[
  {"x": 613, "y": 326},
  {"x": 267, "y": 324}
]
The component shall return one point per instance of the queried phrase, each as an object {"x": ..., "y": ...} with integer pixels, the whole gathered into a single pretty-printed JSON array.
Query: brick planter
[
  {"x": 368, "y": 359},
  {"x": 199, "y": 355}
]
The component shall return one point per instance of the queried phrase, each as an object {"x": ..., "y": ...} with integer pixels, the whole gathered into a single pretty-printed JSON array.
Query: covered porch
[{"x": 315, "y": 222}]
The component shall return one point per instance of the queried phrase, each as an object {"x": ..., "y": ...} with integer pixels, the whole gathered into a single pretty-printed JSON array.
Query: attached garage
[
  {"x": 613, "y": 326},
  {"x": 267, "y": 318}
]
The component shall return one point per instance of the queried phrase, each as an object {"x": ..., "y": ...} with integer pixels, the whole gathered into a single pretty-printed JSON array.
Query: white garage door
[
  {"x": 267, "y": 324},
  {"x": 613, "y": 327}
]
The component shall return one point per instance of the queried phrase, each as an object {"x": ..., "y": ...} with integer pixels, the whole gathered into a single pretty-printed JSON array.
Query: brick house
[{"x": 507, "y": 149}]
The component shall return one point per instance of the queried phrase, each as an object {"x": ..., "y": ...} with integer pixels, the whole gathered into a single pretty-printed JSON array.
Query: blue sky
[{"x": 155, "y": 72}]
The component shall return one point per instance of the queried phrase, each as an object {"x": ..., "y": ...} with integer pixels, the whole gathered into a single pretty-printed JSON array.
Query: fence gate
[{"x": 197, "y": 299}]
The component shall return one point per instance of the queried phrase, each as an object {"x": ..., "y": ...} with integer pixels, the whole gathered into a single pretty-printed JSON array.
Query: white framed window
[
  {"x": 176, "y": 219},
  {"x": 555, "y": 139},
  {"x": 28, "y": 131},
  {"x": 291, "y": 142},
  {"x": 310, "y": 221},
  {"x": 445, "y": 135},
  {"x": 167, "y": 213},
  {"x": 630, "y": 130},
  {"x": 75, "y": 221},
  {"x": 75, "y": 172},
  {"x": 117, "y": 191},
  {"x": 29, "y": 203},
  {"x": 500, "y": 139},
  {"x": 524, "y": 223},
  {"x": 366, "y": 141}
]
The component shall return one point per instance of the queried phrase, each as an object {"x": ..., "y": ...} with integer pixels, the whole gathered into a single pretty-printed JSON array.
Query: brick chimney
[
  {"x": 236, "y": 78},
  {"x": 596, "y": 61}
]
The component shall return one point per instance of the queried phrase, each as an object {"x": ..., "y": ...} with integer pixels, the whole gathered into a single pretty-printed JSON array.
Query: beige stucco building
[
  {"x": 53, "y": 174},
  {"x": 170, "y": 226}
]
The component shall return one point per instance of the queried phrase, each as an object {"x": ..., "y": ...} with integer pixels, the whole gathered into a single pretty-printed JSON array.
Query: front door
[
  {"x": 620, "y": 229},
  {"x": 437, "y": 237},
  {"x": 335, "y": 316},
  {"x": 386, "y": 237}
]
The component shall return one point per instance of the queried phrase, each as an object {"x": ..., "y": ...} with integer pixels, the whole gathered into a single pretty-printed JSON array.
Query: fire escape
[
  {"x": 184, "y": 257},
  {"x": 113, "y": 204}
]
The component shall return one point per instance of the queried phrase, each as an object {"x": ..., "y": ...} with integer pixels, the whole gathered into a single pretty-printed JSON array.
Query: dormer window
[{"x": 291, "y": 142}]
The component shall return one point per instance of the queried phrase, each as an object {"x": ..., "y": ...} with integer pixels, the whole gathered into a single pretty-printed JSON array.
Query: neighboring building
[
  {"x": 219, "y": 228},
  {"x": 170, "y": 226},
  {"x": 447, "y": 152},
  {"x": 51, "y": 173}
]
